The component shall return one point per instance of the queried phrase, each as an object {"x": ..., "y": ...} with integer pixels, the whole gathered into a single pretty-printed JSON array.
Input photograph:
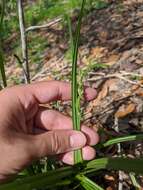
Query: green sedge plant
[
  {"x": 2, "y": 68},
  {"x": 37, "y": 177},
  {"x": 76, "y": 93},
  {"x": 67, "y": 175}
]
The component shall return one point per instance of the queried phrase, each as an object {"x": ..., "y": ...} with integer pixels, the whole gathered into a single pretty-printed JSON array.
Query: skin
[{"x": 29, "y": 132}]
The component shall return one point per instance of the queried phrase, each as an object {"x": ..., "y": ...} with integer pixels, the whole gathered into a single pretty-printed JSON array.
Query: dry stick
[
  {"x": 32, "y": 28},
  {"x": 53, "y": 22},
  {"x": 20, "y": 63},
  {"x": 116, "y": 75},
  {"x": 23, "y": 42},
  {"x": 123, "y": 73}
]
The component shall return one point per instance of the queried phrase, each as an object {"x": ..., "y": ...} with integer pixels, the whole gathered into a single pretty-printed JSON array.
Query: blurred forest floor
[{"x": 112, "y": 46}]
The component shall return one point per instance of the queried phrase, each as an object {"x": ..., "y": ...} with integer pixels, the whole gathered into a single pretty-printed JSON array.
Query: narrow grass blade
[
  {"x": 124, "y": 164},
  {"x": 49, "y": 179},
  {"x": 2, "y": 69},
  {"x": 96, "y": 165},
  {"x": 70, "y": 34},
  {"x": 2, "y": 10},
  {"x": 75, "y": 96},
  {"x": 123, "y": 139},
  {"x": 59, "y": 184},
  {"x": 88, "y": 184},
  {"x": 52, "y": 178},
  {"x": 134, "y": 181}
]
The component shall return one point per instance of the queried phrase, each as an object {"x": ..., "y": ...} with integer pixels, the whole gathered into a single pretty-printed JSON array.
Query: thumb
[{"x": 57, "y": 142}]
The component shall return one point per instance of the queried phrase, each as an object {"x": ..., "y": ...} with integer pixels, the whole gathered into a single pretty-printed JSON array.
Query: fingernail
[{"x": 77, "y": 140}]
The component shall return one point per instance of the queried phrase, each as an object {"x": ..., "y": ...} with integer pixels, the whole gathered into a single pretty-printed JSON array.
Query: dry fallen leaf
[
  {"x": 109, "y": 85},
  {"x": 125, "y": 110},
  {"x": 97, "y": 52},
  {"x": 109, "y": 188},
  {"x": 135, "y": 87},
  {"x": 102, "y": 94},
  {"x": 103, "y": 36},
  {"x": 109, "y": 178},
  {"x": 139, "y": 92},
  {"x": 112, "y": 59}
]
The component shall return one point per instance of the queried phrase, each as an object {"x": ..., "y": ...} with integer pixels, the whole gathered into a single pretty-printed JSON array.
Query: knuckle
[
  {"x": 60, "y": 142},
  {"x": 56, "y": 143}
]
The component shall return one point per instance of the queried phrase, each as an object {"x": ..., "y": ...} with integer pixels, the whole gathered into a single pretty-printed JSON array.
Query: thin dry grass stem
[
  {"x": 23, "y": 42},
  {"x": 120, "y": 75},
  {"x": 44, "y": 26}
]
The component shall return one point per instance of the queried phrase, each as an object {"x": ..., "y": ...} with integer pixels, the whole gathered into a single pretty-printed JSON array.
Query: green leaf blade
[
  {"x": 75, "y": 95},
  {"x": 88, "y": 184},
  {"x": 2, "y": 67},
  {"x": 48, "y": 179},
  {"x": 124, "y": 164},
  {"x": 123, "y": 139}
]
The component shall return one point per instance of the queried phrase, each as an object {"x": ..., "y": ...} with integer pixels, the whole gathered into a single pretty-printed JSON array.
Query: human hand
[{"x": 21, "y": 117}]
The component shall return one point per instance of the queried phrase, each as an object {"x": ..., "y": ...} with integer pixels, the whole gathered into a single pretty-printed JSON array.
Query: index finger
[{"x": 45, "y": 92}]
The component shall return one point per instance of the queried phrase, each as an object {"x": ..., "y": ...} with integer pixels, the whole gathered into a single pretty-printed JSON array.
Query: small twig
[
  {"x": 116, "y": 75},
  {"x": 32, "y": 28},
  {"x": 20, "y": 63},
  {"x": 130, "y": 74},
  {"x": 123, "y": 73},
  {"x": 23, "y": 41}
]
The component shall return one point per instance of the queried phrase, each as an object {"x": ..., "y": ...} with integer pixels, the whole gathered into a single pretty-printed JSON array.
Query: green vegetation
[
  {"x": 2, "y": 68},
  {"x": 67, "y": 175},
  {"x": 37, "y": 12},
  {"x": 49, "y": 175},
  {"x": 76, "y": 92}
]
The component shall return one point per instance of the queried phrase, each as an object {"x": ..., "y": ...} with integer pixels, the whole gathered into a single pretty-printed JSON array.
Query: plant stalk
[
  {"x": 75, "y": 95},
  {"x": 2, "y": 68},
  {"x": 23, "y": 42}
]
